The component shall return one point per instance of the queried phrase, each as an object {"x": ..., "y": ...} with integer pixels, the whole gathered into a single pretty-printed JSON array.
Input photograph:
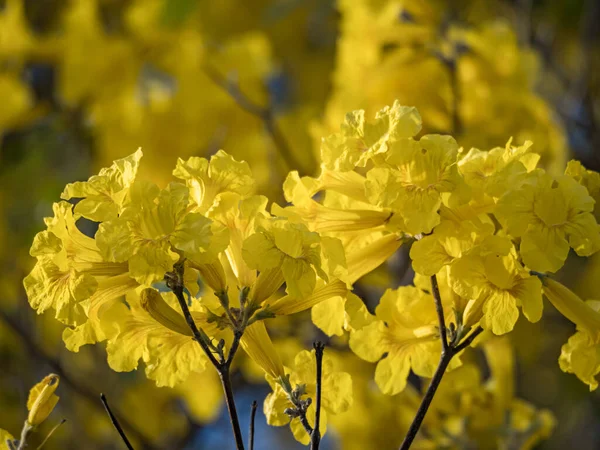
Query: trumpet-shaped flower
[
  {"x": 494, "y": 172},
  {"x": 157, "y": 333},
  {"x": 104, "y": 195},
  {"x": 492, "y": 277},
  {"x": 405, "y": 336},
  {"x": 67, "y": 268},
  {"x": 151, "y": 231},
  {"x": 588, "y": 179},
  {"x": 207, "y": 179},
  {"x": 297, "y": 251},
  {"x": 360, "y": 140},
  {"x": 418, "y": 177},
  {"x": 581, "y": 354},
  {"x": 550, "y": 215}
]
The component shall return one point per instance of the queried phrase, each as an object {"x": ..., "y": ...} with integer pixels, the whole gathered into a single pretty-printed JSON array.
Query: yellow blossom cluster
[{"x": 487, "y": 230}]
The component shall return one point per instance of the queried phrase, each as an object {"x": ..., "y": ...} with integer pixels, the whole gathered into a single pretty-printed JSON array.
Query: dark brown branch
[
  {"x": 445, "y": 359},
  {"x": 175, "y": 283},
  {"x": 115, "y": 422},
  {"x": 448, "y": 352},
  {"x": 81, "y": 390},
  {"x": 315, "y": 439},
  {"x": 251, "y": 431}
]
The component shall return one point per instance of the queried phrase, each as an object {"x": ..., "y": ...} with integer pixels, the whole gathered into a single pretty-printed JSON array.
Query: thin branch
[
  {"x": 440, "y": 312},
  {"x": 115, "y": 422},
  {"x": 56, "y": 427},
  {"x": 427, "y": 399},
  {"x": 265, "y": 114},
  {"x": 468, "y": 341},
  {"x": 315, "y": 438},
  {"x": 251, "y": 431},
  {"x": 39, "y": 354},
  {"x": 175, "y": 283},
  {"x": 230, "y": 401},
  {"x": 448, "y": 352}
]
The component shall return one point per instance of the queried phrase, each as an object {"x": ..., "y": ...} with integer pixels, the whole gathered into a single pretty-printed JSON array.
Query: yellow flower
[
  {"x": 5, "y": 436},
  {"x": 241, "y": 217},
  {"x": 150, "y": 231},
  {"x": 581, "y": 354},
  {"x": 207, "y": 179},
  {"x": 416, "y": 179},
  {"x": 336, "y": 394},
  {"x": 588, "y": 179},
  {"x": 453, "y": 237},
  {"x": 295, "y": 250},
  {"x": 405, "y": 334},
  {"x": 154, "y": 331},
  {"x": 42, "y": 399},
  {"x": 360, "y": 140},
  {"x": 550, "y": 215},
  {"x": 104, "y": 195},
  {"x": 492, "y": 277},
  {"x": 67, "y": 268},
  {"x": 494, "y": 172}
]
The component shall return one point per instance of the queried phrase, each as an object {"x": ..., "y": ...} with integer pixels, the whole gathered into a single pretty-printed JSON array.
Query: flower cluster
[
  {"x": 202, "y": 261},
  {"x": 213, "y": 230},
  {"x": 486, "y": 224}
]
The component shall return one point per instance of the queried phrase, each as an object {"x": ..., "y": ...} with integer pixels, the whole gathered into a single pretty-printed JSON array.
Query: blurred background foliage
[{"x": 84, "y": 82}]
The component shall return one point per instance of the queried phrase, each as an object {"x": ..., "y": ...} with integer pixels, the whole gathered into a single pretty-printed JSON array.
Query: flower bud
[
  {"x": 42, "y": 399},
  {"x": 267, "y": 283},
  {"x": 154, "y": 304},
  {"x": 213, "y": 275},
  {"x": 570, "y": 305},
  {"x": 258, "y": 345}
]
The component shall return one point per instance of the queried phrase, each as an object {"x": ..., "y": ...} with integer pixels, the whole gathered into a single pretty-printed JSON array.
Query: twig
[
  {"x": 251, "y": 432},
  {"x": 115, "y": 422},
  {"x": 315, "y": 438},
  {"x": 56, "y": 427},
  {"x": 175, "y": 283},
  {"x": 265, "y": 114},
  {"x": 448, "y": 352},
  {"x": 439, "y": 308},
  {"x": 230, "y": 400},
  {"x": 82, "y": 390}
]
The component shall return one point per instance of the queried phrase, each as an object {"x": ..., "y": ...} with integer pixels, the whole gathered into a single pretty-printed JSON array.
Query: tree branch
[
  {"x": 115, "y": 422},
  {"x": 175, "y": 283},
  {"x": 315, "y": 439},
  {"x": 251, "y": 431},
  {"x": 265, "y": 114},
  {"x": 448, "y": 352}
]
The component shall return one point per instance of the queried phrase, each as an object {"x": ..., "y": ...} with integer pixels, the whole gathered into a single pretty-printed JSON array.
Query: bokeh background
[{"x": 84, "y": 82}]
